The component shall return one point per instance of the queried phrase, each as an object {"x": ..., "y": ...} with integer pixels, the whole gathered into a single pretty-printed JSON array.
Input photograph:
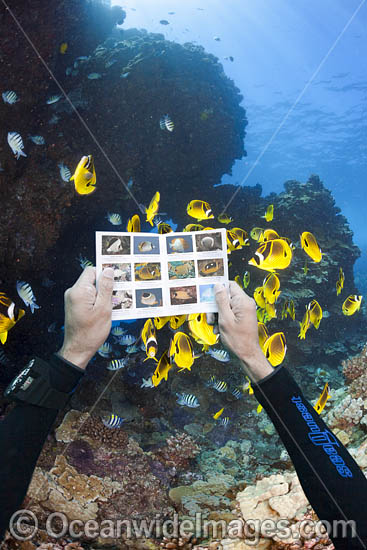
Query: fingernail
[{"x": 109, "y": 273}]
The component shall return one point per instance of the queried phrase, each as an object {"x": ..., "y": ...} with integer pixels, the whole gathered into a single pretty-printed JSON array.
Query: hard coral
[
  {"x": 179, "y": 450},
  {"x": 97, "y": 431},
  {"x": 355, "y": 367}
]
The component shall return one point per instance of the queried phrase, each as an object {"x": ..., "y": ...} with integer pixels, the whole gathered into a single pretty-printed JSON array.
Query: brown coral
[
  {"x": 356, "y": 366},
  {"x": 179, "y": 450}
]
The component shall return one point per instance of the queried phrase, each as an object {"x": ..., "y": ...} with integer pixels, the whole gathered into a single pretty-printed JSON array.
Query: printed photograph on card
[
  {"x": 211, "y": 268},
  {"x": 181, "y": 244},
  {"x": 122, "y": 299},
  {"x": 147, "y": 271},
  {"x": 206, "y": 294},
  {"x": 183, "y": 295},
  {"x": 146, "y": 245},
  {"x": 181, "y": 269},
  {"x": 148, "y": 297},
  {"x": 206, "y": 242},
  {"x": 112, "y": 244},
  {"x": 121, "y": 272}
]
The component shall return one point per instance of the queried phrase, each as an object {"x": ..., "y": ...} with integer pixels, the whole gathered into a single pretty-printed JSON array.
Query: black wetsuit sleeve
[
  {"x": 22, "y": 435},
  {"x": 331, "y": 479}
]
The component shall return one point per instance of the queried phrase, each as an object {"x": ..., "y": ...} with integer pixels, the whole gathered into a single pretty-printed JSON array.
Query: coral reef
[{"x": 178, "y": 451}]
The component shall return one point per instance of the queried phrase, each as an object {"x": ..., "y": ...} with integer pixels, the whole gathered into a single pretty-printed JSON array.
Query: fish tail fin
[
  {"x": 3, "y": 337},
  {"x": 21, "y": 154},
  {"x": 33, "y": 307}
]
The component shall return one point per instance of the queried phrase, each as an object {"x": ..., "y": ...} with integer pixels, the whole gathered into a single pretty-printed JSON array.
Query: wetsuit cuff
[{"x": 64, "y": 376}]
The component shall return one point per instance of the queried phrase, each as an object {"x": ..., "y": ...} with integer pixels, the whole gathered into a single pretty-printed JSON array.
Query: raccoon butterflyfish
[
  {"x": 248, "y": 386},
  {"x": 268, "y": 235},
  {"x": 304, "y": 325},
  {"x": 271, "y": 287},
  {"x": 340, "y": 282},
  {"x": 200, "y": 210},
  {"x": 84, "y": 176},
  {"x": 181, "y": 351},
  {"x": 275, "y": 348},
  {"x": 218, "y": 413},
  {"x": 259, "y": 408},
  {"x": 262, "y": 315},
  {"x": 256, "y": 233},
  {"x": 242, "y": 235},
  {"x": 176, "y": 321},
  {"x": 315, "y": 313},
  {"x": 272, "y": 255},
  {"x": 201, "y": 330},
  {"x": 263, "y": 334},
  {"x": 270, "y": 310},
  {"x": 259, "y": 297},
  {"x": 305, "y": 268},
  {"x": 269, "y": 214},
  {"x": 193, "y": 227},
  {"x": 162, "y": 370},
  {"x": 233, "y": 242},
  {"x": 351, "y": 304},
  {"x": 310, "y": 246},
  {"x": 149, "y": 338},
  {"x": 211, "y": 267},
  {"x": 63, "y": 48},
  {"x": 159, "y": 322},
  {"x": 133, "y": 224},
  {"x": 322, "y": 400},
  {"x": 164, "y": 228},
  {"x": 9, "y": 316},
  {"x": 246, "y": 279},
  {"x": 147, "y": 272},
  {"x": 224, "y": 218},
  {"x": 181, "y": 294},
  {"x": 153, "y": 207},
  {"x": 238, "y": 281}
]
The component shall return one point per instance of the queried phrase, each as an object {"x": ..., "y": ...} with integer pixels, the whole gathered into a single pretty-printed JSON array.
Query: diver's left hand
[{"x": 87, "y": 316}]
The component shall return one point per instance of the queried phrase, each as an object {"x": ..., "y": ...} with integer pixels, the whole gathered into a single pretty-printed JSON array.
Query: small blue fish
[
  {"x": 54, "y": 119},
  {"x": 132, "y": 349},
  {"x": 188, "y": 400},
  {"x": 10, "y": 97},
  {"x": 147, "y": 383},
  {"x": 118, "y": 331},
  {"x": 130, "y": 183},
  {"x": 124, "y": 75},
  {"x": 109, "y": 63},
  {"x": 38, "y": 140},
  {"x": 116, "y": 364},
  {"x": 94, "y": 76},
  {"x": 53, "y": 99},
  {"x": 219, "y": 354},
  {"x": 25, "y": 292},
  {"x": 16, "y": 144},
  {"x": 52, "y": 328},
  {"x": 105, "y": 350},
  {"x": 127, "y": 340},
  {"x": 113, "y": 421},
  {"x": 218, "y": 385},
  {"x": 84, "y": 262},
  {"x": 237, "y": 393},
  {"x": 114, "y": 218},
  {"x": 68, "y": 71},
  {"x": 65, "y": 173}
]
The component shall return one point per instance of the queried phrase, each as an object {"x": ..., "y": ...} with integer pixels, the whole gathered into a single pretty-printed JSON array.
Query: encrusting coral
[{"x": 178, "y": 451}]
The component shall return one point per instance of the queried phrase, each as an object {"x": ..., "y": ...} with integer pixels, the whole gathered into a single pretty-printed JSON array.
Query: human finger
[
  {"x": 88, "y": 276},
  {"x": 222, "y": 299},
  {"x": 105, "y": 287}
]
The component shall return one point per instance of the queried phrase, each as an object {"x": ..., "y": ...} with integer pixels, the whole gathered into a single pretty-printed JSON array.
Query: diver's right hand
[{"x": 238, "y": 328}]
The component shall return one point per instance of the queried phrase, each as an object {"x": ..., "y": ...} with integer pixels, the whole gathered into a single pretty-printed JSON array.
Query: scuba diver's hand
[
  {"x": 87, "y": 316},
  {"x": 238, "y": 328}
]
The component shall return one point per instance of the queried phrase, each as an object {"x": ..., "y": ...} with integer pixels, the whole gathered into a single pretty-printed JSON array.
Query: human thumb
[
  {"x": 222, "y": 299},
  {"x": 105, "y": 287}
]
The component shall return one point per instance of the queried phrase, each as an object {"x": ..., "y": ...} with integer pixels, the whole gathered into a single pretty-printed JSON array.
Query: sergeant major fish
[
  {"x": 25, "y": 292},
  {"x": 16, "y": 144},
  {"x": 187, "y": 400}
]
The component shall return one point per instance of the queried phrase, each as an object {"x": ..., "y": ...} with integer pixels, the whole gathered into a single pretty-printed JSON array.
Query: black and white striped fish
[
  {"x": 10, "y": 97},
  {"x": 65, "y": 173},
  {"x": 112, "y": 421},
  {"x": 224, "y": 421},
  {"x": 188, "y": 400},
  {"x": 105, "y": 350},
  {"x": 219, "y": 354},
  {"x": 25, "y": 292},
  {"x": 16, "y": 144},
  {"x": 218, "y": 385},
  {"x": 116, "y": 364},
  {"x": 237, "y": 393}
]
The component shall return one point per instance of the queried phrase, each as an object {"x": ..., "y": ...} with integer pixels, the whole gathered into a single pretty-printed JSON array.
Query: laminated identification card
[{"x": 159, "y": 275}]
